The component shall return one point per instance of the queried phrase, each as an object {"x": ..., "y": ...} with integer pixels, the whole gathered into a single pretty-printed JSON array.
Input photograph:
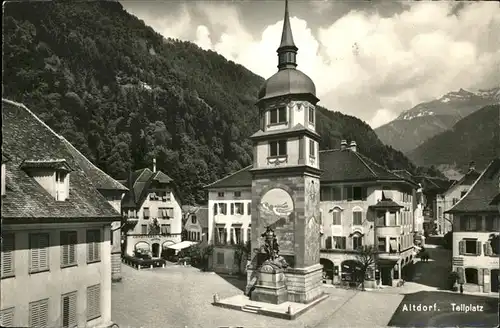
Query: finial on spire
[{"x": 287, "y": 50}]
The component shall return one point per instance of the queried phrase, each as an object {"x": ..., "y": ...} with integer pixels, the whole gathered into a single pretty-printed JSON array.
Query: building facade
[
  {"x": 151, "y": 212},
  {"x": 196, "y": 224},
  {"x": 476, "y": 227},
  {"x": 451, "y": 196},
  {"x": 361, "y": 203},
  {"x": 56, "y": 231}
]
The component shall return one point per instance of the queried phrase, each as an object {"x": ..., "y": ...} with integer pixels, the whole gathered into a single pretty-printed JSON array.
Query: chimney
[
  {"x": 472, "y": 166},
  {"x": 154, "y": 164},
  {"x": 352, "y": 146},
  {"x": 343, "y": 144}
]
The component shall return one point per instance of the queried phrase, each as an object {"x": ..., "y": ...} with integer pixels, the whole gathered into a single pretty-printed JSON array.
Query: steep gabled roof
[
  {"x": 26, "y": 137},
  {"x": 99, "y": 178},
  {"x": 139, "y": 183},
  {"x": 479, "y": 196},
  {"x": 337, "y": 166},
  {"x": 468, "y": 179},
  {"x": 241, "y": 178}
]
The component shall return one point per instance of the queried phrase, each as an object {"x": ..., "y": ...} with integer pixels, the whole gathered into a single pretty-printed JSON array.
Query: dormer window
[
  {"x": 52, "y": 175},
  {"x": 60, "y": 186},
  {"x": 277, "y": 115}
]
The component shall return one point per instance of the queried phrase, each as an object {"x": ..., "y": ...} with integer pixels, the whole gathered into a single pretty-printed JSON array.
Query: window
[
  {"x": 492, "y": 223},
  {"x": 249, "y": 208},
  {"x": 238, "y": 235},
  {"x": 220, "y": 258},
  {"x": 8, "y": 248},
  {"x": 193, "y": 219},
  {"x": 93, "y": 246},
  {"x": 7, "y": 317},
  {"x": 68, "y": 310},
  {"x": 146, "y": 213},
  {"x": 354, "y": 193},
  {"x": 440, "y": 212},
  {"x": 337, "y": 217},
  {"x": 61, "y": 192},
  {"x": 222, "y": 208},
  {"x": 392, "y": 219},
  {"x": 357, "y": 218},
  {"x": 471, "y": 276},
  {"x": 393, "y": 245},
  {"x": 221, "y": 235},
  {"x": 312, "y": 148},
  {"x": 339, "y": 242},
  {"x": 220, "y": 194},
  {"x": 39, "y": 313},
  {"x": 68, "y": 248},
  {"x": 277, "y": 148},
  {"x": 237, "y": 194},
  {"x": 381, "y": 244},
  {"x": 455, "y": 200},
  {"x": 165, "y": 213},
  {"x": 39, "y": 252},
  {"x": 198, "y": 236},
  {"x": 144, "y": 229},
  {"x": 469, "y": 246},
  {"x": 93, "y": 302},
  {"x": 468, "y": 223},
  {"x": 165, "y": 229},
  {"x": 357, "y": 242},
  {"x": 380, "y": 220},
  {"x": 311, "y": 115},
  {"x": 330, "y": 194},
  {"x": 237, "y": 209},
  {"x": 277, "y": 115}
]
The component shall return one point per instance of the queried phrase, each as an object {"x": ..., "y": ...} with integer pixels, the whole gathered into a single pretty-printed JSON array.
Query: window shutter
[
  {"x": 478, "y": 247},
  {"x": 44, "y": 251},
  {"x": 461, "y": 247},
  {"x": 93, "y": 302},
  {"x": 39, "y": 314},
  {"x": 485, "y": 249},
  {"x": 97, "y": 245},
  {"x": 34, "y": 253},
  {"x": 344, "y": 242},
  {"x": 7, "y": 317},
  {"x": 232, "y": 208},
  {"x": 90, "y": 247},
  {"x": 480, "y": 277},
  {"x": 69, "y": 310},
  {"x": 8, "y": 255}
]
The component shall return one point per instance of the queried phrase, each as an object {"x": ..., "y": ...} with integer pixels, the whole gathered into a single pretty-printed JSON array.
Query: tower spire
[{"x": 287, "y": 51}]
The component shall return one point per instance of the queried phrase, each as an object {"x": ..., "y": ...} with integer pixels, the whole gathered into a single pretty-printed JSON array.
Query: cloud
[{"x": 364, "y": 64}]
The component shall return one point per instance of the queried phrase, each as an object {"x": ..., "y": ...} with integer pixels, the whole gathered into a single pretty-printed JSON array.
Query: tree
[
  {"x": 366, "y": 257},
  {"x": 241, "y": 250}
]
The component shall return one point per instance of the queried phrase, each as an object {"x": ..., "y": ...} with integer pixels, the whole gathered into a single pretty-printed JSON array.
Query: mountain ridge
[{"x": 425, "y": 120}]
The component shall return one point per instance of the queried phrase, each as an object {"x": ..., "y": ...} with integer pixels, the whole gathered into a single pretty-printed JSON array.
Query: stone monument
[
  {"x": 285, "y": 185},
  {"x": 270, "y": 284}
]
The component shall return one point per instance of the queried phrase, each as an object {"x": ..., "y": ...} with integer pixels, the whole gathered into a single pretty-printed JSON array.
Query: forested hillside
[
  {"x": 122, "y": 94},
  {"x": 474, "y": 138}
]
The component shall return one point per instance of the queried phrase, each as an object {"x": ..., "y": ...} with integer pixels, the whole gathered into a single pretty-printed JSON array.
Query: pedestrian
[{"x": 461, "y": 288}]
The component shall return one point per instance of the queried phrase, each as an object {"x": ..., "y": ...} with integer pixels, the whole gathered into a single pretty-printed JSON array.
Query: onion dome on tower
[{"x": 288, "y": 80}]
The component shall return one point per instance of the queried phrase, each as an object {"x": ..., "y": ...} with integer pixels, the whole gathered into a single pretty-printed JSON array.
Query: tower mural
[{"x": 285, "y": 185}]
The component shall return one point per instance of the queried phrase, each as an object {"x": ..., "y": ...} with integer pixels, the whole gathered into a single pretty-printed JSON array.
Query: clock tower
[{"x": 285, "y": 185}]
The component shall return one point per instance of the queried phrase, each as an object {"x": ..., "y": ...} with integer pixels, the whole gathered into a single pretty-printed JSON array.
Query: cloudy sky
[{"x": 370, "y": 59}]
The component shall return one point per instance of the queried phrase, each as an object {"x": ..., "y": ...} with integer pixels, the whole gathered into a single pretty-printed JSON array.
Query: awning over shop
[{"x": 182, "y": 245}]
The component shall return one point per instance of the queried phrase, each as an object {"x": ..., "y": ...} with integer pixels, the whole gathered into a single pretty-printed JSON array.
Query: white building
[
  {"x": 152, "y": 213},
  {"x": 476, "y": 227}
]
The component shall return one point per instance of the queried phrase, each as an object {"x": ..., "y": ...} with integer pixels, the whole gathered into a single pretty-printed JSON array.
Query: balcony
[
  {"x": 389, "y": 230},
  {"x": 389, "y": 256},
  {"x": 131, "y": 219}
]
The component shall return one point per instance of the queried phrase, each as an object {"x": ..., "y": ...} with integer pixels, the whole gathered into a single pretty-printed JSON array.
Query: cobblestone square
[{"x": 181, "y": 297}]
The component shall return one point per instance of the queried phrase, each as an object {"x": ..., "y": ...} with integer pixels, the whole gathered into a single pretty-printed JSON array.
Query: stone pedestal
[
  {"x": 270, "y": 286},
  {"x": 304, "y": 285}
]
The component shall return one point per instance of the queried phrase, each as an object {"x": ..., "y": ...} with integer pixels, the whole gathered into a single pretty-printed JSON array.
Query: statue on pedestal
[{"x": 271, "y": 248}]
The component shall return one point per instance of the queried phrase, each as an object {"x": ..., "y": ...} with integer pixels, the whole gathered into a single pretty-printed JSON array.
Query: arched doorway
[
  {"x": 167, "y": 253},
  {"x": 327, "y": 270},
  {"x": 155, "y": 250},
  {"x": 494, "y": 280},
  {"x": 352, "y": 272},
  {"x": 142, "y": 249}
]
